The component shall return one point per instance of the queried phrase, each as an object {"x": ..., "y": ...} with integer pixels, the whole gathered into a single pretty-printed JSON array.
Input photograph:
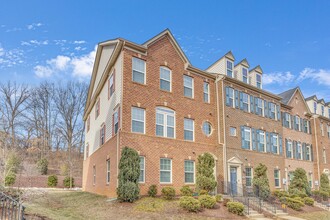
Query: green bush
[
  {"x": 225, "y": 201},
  {"x": 10, "y": 179},
  {"x": 205, "y": 179},
  {"x": 299, "y": 184},
  {"x": 186, "y": 191},
  {"x": 67, "y": 180},
  {"x": 299, "y": 199},
  {"x": 42, "y": 166},
  {"x": 203, "y": 192},
  {"x": 218, "y": 197},
  {"x": 168, "y": 192},
  {"x": 236, "y": 208},
  {"x": 324, "y": 183},
  {"x": 152, "y": 192},
  {"x": 52, "y": 181},
  {"x": 297, "y": 193},
  {"x": 129, "y": 172},
  {"x": 260, "y": 181},
  {"x": 207, "y": 201},
  {"x": 324, "y": 195},
  {"x": 13, "y": 163},
  {"x": 280, "y": 194},
  {"x": 309, "y": 201},
  {"x": 294, "y": 204},
  {"x": 190, "y": 204}
]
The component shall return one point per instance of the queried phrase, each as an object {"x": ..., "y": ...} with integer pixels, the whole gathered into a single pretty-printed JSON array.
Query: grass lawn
[
  {"x": 320, "y": 215},
  {"x": 82, "y": 205}
]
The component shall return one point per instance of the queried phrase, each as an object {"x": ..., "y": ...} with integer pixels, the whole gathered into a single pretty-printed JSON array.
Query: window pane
[
  {"x": 188, "y": 124},
  {"x": 159, "y": 130},
  {"x": 138, "y": 64},
  {"x": 189, "y": 177},
  {"x": 138, "y": 77},
  {"x": 188, "y": 92},
  {"x": 188, "y": 135},
  {"x": 165, "y": 85},
  {"x": 165, "y": 177},
  {"x": 207, "y": 128},
  {"x": 138, "y": 126},
  {"x": 141, "y": 177},
  {"x": 187, "y": 80},
  {"x": 138, "y": 114},
  {"x": 159, "y": 119},
  {"x": 170, "y": 120},
  {"x": 189, "y": 166},
  {"x": 170, "y": 132},
  {"x": 165, "y": 74}
]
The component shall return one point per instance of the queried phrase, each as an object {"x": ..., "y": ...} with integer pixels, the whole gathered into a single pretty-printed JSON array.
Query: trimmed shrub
[
  {"x": 299, "y": 199},
  {"x": 152, "y": 192},
  {"x": 168, "y": 192},
  {"x": 42, "y": 166},
  {"x": 67, "y": 180},
  {"x": 236, "y": 208},
  {"x": 324, "y": 183},
  {"x": 280, "y": 194},
  {"x": 299, "y": 184},
  {"x": 309, "y": 201},
  {"x": 129, "y": 171},
  {"x": 190, "y": 204},
  {"x": 205, "y": 179},
  {"x": 324, "y": 195},
  {"x": 203, "y": 192},
  {"x": 294, "y": 204},
  {"x": 260, "y": 181},
  {"x": 10, "y": 179},
  {"x": 218, "y": 198},
  {"x": 52, "y": 181},
  {"x": 186, "y": 191},
  {"x": 207, "y": 201},
  {"x": 225, "y": 201}
]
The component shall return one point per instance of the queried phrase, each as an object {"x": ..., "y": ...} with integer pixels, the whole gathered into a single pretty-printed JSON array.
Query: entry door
[{"x": 233, "y": 180}]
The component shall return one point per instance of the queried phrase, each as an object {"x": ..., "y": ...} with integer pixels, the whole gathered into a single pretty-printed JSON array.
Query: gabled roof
[
  {"x": 289, "y": 94},
  {"x": 243, "y": 62},
  {"x": 228, "y": 55},
  {"x": 257, "y": 69},
  {"x": 313, "y": 97},
  {"x": 321, "y": 101}
]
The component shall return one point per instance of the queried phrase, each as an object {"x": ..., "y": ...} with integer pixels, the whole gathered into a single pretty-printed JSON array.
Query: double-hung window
[
  {"x": 258, "y": 76},
  {"x": 299, "y": 151},
  {"x": 275, "y": 144},
  {"x": 138, "y": 70},
  {"x": 324, "y": 156},
  {"x": 260, "y": 109},
  {"x": 138, "y": 120},
  {"x": 272, "y": 108},
  {"x": 248, "y": 176},
  {"x": 142, "y": 169},
  {"x": 315, "y": 107},
  {"x": 108, "y": 170},
  {"x": 287, "y": 120},
  {"x": 322, "y": 110},
  {"x": 188, "y": 86},
  {"x": 111, "y": 85},
  {"x": 189, "y": 171},
  {"x": 246, "y": 103},
  {"x": 165, "y": 170},
  {"x": 188, "y": 129},
  {"x": 206, "y": 92},
  {"x": 328, "y": 130},
  {"x": 246, "y": 139},
  {"x": 245, "y": 75},
  {"x": 102, "y": 135},
  {"x": 297, "y": 123},
  {"x": 277, "y": 178},
  {"x": 165, "y": 79},
  {"x": 289, "y": 150},
  {"x": 261, "y": 139},
  {"x": 165, "y": 122},
  {"x": 115, "y": 122},
  {"x": 230, "y": 97},
  {"x": 308, "y": 152},
  {"x": 97, "y": 108},
  {"x": 229, "y": 69}
]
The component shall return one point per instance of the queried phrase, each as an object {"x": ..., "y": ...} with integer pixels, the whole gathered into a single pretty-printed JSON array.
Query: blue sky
[{"x": 55, "y": 40}]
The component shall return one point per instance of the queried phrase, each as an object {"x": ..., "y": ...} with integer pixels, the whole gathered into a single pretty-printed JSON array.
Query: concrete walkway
[{"x": 288, "y": 217}]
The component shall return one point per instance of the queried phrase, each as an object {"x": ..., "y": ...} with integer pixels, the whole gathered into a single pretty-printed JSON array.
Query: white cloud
[
  {"x": 33, "y": 26},
  {"x": 321, "y": 76},
  {"x": 83, "y": 66},
  {"x": 9, "y": 58},
  {"x": 79, "y": 42},
  {"x": 60, "y": 62},
  {"x": 43, "y": 71},
  {"x": 278, "y": 78}
]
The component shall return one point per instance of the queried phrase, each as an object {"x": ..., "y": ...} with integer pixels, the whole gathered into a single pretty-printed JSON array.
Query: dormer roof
[
  {"x": 313, "y": 97},
  {"x": 256, "y": 69},
  {"x": 243, "y": 62},
  {"x": 321, "y": 101},
  {"x": 229, "y": 55}
]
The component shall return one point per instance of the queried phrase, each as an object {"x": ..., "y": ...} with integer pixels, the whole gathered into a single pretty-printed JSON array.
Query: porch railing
[{"x": 10, "y": 208}]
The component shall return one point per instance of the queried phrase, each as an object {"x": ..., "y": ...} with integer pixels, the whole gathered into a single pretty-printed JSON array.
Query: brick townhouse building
[{"x": 149, "y": 97}]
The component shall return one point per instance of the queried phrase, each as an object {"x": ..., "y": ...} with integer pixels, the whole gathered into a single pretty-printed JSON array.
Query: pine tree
[
  {"x": 299, "y": 183},
  {"x": 260, "y": 181},
  {"x": 324, "y": 183},
  {"x": 205, "y": 172},
  {"x": 129, "y": 171}
]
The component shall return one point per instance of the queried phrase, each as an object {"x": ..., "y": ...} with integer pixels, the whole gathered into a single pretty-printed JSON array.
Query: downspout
[{"x": 317, "y": 151}]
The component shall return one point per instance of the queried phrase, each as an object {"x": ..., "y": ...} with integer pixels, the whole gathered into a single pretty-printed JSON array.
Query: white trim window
[
  {"x": 232, "y": 131},
  {"x": 142, "y": 169},
  {"x": 322, "y": 129},
  {"x": 324, "y": 156},
  {"x": 111, "y": 85},
  {"x": 115, "y": 122},
  {"x": 290, "y": 150},
  {"x": 328, "y": 130},
  {"x": 277, "y": 178},
  {"x": 260, "y": 107},
  {"x": 315, "y": 107},
  {"x": 165, "y": 170},
  {"x": 165, "y": 79},
  {"x": 188, "y": 86},
  {"x": 138, "y": 120},
  {"x": 299, "y": 151},
  {"x": 275, "y": 144},
  {"x": 310, "y": 179},
  {"x": 108, "y": 170},
  {"x": 248, "y": 176},
  {"x": 229, "y": 69},
  {"x": 322, "y": 110},
  {"x": 188, "y": 129},
  {"x": 259, "y": 81},
  {"x": 297, "y": 123},
  {"x": 230, "y": 99},
  {"x": 189, "y": 171},
  {"x": 246, "y": 102},
  {"x": 102, "y": 135},
  {"x": 272, "y": 110},
  {"x": 246, "y": 138},
  {"x": 287, "y": 121},
  {"x": 308, "y": 152},
  {"x": 138, "y": 70},
  {"x": 165, "y": 122},
  {"x": 245, "y": 75},
  {"x": 207, "y": 128},
  {"x": 262, "y": 142},
  {"x": 206, "y": 92}
]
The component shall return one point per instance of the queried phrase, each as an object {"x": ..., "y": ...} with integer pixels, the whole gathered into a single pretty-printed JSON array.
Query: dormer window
[
  {"x": 258, "y": 79},
  {"x": 229, "y": 69},
  {"x": 315, "y": 107},
  {"x": 245, "y": 75},
  {"x": 329, "y": 112},
  {"x": 322, "y": 110}
]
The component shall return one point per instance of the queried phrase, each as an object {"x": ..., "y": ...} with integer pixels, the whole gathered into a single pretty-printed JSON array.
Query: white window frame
[
  {"x": 144, "y": 169},
  {"x": 160, "y": 170},
  {"x": 185, "y": 86},
  {"x": 288, "y": 119},
  {"x": 234, "y": 130},
  {"x": 144, "y": 121},
  {"x": 231, "y": 96},
  {"x": 230, "y": 69},
  {"x": 310, "y": 179},
  {"x": 115, "y": 121},
  {"x": 249, "y": 177},
  {"x": 315, "y": 107},
  {"x": 299, "y": 149},
  {"x": 273, "y": 110},
  {"x": 144, "y": 73},
  {"x": 108, "y": 172},
  {"x": 257, "y": 74},
  {"x": 193, "y": 172},
  {"x": 279, "y": 178},
  {"x": 207, "y": 92},
  {"x": 165, "y": 112},
  {"x": 260, "y": 101},
  {"x": 276, "y": 143},
  {"x": 111, "y": 85},
  {"x": 263, "y": 134},
  {"x": 189, "y": 130},
  {"x": 247, "y": 75},
  {"x": 102, "y": 135},
  {"x": 248, "y": 130},
  {"x": 290, "y": 148},
  {"x": 324, "y": 156},
  {"x": 160, "y": 78},
  {"x": 246, "y": 100},
  {"x": 308, "y": 152}
]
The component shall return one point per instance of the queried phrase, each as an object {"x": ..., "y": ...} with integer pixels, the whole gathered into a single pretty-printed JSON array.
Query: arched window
[{"x": 165, "y": 122}]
